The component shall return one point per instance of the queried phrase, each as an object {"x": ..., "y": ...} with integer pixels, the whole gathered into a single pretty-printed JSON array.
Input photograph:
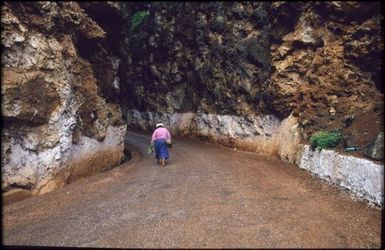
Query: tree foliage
[{"x": 137, "y": 19}]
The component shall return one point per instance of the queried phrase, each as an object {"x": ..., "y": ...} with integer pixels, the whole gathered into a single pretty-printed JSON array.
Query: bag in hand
[
  {"x": 150, "y": 149},
  {"x": 169, "y": 143}
]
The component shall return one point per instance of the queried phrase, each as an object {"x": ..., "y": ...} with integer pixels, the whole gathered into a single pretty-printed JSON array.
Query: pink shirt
[{"x": 160, "y": 133}]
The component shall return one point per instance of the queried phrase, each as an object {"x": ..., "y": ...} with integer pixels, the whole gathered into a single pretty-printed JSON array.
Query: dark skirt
[{"x": 161, "y": 150}]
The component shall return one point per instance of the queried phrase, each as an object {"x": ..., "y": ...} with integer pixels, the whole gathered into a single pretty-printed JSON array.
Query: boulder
[{"x": 376, "y": 149}]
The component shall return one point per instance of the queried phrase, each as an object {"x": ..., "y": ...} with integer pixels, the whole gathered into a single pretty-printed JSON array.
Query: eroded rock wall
[
  {"x": 264, "y": 76},
  {"x": 55, "y": 110},
  {"x": 320, "y": 61}
]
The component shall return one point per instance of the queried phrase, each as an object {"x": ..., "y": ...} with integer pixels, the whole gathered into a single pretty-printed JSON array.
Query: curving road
[{"x": 207, "y": 196}]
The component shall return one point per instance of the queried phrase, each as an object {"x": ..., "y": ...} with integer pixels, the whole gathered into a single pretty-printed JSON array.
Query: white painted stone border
[{"x": 362, "y": 177}]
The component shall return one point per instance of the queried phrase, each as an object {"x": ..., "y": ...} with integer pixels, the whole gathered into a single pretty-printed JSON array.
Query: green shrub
[
  {"x": 323, "y": 140},
  {"x": 138, "y": 18}
]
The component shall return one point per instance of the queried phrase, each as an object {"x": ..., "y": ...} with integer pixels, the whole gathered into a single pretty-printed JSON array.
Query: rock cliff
[
  {"x": 320, "y": 62},
  {"x": 257, "y": 75},
  {"x": 59, "y": 122}
]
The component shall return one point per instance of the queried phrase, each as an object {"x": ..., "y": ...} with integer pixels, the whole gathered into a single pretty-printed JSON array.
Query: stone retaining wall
[{"x": 362, "y": 177}]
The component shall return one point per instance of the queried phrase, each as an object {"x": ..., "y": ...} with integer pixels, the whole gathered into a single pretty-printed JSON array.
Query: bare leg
[{"x": 163, "y": 162}]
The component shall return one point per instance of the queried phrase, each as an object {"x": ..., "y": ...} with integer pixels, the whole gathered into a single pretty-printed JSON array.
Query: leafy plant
[
  {"x": 138, "y": 18},
  {"x": 322, "y": 140}
]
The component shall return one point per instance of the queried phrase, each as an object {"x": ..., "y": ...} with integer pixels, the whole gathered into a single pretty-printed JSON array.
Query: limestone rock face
[
  {"x": 246, "y": 74},
  {"x": 322, "y": 71},
  {"x": 52, "y": 103},
  {"x": 320, "y": 62}
]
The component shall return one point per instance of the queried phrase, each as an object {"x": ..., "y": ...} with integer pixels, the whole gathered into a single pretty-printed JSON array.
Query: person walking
[{"x": 160, "y": 138}]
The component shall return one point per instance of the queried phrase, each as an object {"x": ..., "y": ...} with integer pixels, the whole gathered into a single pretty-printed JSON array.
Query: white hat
[{"x": 159, "y": 125}]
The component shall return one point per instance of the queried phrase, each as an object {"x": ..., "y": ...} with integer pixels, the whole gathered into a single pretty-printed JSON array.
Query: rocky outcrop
[
  {"x": 315, "y": 73},
  {"x": 320, "y": 62},
  {"x": 262, "y": 76},
  {"x": 56, "y": 117}
]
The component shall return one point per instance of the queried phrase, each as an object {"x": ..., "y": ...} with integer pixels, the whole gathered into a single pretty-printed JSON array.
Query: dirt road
[{"x": 207, "y": 196}]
